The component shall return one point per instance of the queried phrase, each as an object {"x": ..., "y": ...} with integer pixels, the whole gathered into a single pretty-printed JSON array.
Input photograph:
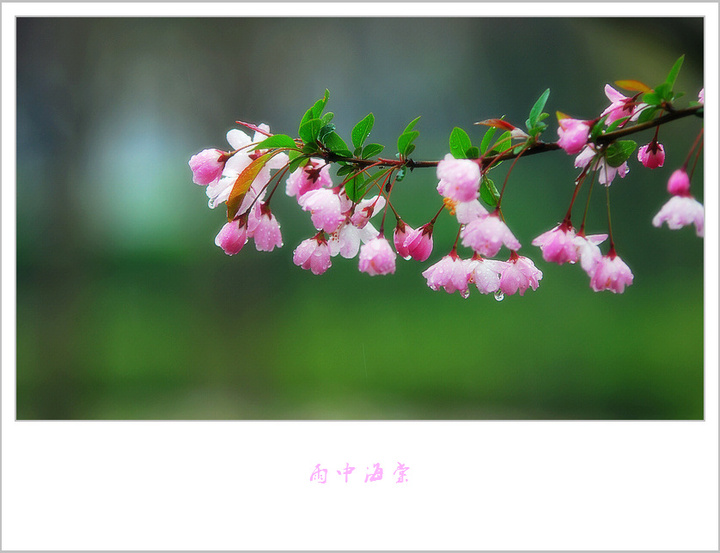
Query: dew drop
[{"x": 499, "y": 296}]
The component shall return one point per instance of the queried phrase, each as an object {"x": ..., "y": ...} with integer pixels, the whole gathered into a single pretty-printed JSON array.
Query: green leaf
[
  {"x": 537, "y": 109},
  {"x": 405, "y": 142},
  {"x": 488, "y": 192},
  {"x": 401, "y": 174},
  {"x": 337, "y": 145},
  {"x": 652, "y": 98},
  {"x": 362, "y": 130},
  {"x": 487, "y": 138},
  {"x": 460, "y": 143},
  {"x": 276, "y": 141},
  {"x": 664, "y": 91},
  {"x": 327, "y": 117},
  {"x": 298, "y": 162},
  {"x": 618, "y": 152},
  {"x": 646, "y": 115},
  {"x": 371, "y": 150},
  {"x": 615, "y": 124},
  {"x": 672, "y": 76},
  {"x": 324, "y": 131},
  {"x": 597, "y": 128},
  {"x": 345, "y": 170},
  {"x": 412, "y": 124},
  {"x": 503, "y": 143},
  {"x": 319, "y": 106},
  {"x": 354, "y": 188},
  {"x": 309, "y": 130},
  {"x": 472, "y": 153}
]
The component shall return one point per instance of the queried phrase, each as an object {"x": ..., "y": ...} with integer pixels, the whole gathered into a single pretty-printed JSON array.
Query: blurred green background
[{"x": 127, "y": 310}]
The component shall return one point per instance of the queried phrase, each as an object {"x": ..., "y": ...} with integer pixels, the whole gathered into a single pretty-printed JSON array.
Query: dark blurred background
[{"x": 127, "y": 310}]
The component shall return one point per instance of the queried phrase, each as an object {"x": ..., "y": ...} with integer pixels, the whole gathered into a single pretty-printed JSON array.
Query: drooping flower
[
  {"x": 266, "y": 232},
  {"x": 459, "y": 179},
  {"x": 679, "y": 183},
  {"x": 450, "y": 273},
  {"x": 365, "y": 209},
  {"x": 611, "y": 273},
  {"x": 233, "y": 236},
  {"x": 325, "y": 207},
  {"x": 485, "y": 274},
  {"x": 315, "y": 175},
  {"x": 518, "y": 274},
  {"x": 588, "y": 251},
  {"x": 419, "y": 242},
  {"x": 377, "y": 257},
  {"x": 400, "y": 234},
  {"x": 207, "y": 166},
  {"x": 347, "y": 239},
  {"x": 313, "y": 254},
  {"x": 606, "y": 173},
  {"x": 486, "y": 235},
  {"x": 621, "y": 106},
  {"x": 469, "y": 211},
  {"x": 573, "y": 134},
  {"x": 652, "y": 155},
  {"x": 557, "y": 244},
  {"x": 680, "y": 211}
]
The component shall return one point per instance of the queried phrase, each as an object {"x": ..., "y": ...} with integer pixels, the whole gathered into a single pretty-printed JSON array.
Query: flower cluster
[{"x": 340, "y": 205}]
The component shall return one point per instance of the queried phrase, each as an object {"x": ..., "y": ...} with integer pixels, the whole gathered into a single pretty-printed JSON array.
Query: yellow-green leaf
[{"x": 633, "y": 85}]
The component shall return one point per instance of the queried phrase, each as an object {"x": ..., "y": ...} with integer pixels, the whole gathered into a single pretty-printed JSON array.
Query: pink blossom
[
  {"x": 232, "y": 237},
  {"x": 469, "y": 211},
  {"x": 459, "y": 179},
  {"x": 652, "y": 155},
  {"x": 402, "y": 230},
  {"x": 207, "y": 166},
  {"x": 346, "y": 240},
  {"x": 679, "y": 183},
  {"x": 450, "y": 273},
  {"x": 486, "y": 235},
  {"x": 518, "y": 274},
  {"x": 377, "y": 257},
  {"x": 325, "y": 207},
  {"x": 365, "y": 209},
  {"x": 573, "y": 134},
  {"x": 701, "y": 96},
  {"x": 218, "y": 192},
  {"x": 681, "y": 211},
  {"x": 485, "y": 274},
  {"x": 266, "y": 232},
  {"x": 621, "y": 106},
  {"x": 419, "y": 242},
  {"x": 557, "y": 245},
  {"x": 316, "y": 174},
  {"x": 611, "y": 273},
  {"x": 588, "y": 251},
  {"x": 606, "y": 173},
  {"x": 313, "y": 254}
]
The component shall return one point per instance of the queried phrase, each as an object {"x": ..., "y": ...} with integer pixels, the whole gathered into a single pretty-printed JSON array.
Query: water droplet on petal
[{"x": 499, "y": 296}]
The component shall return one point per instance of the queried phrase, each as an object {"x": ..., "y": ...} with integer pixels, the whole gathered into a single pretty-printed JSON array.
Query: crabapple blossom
[
  {"x": 588, "y": 251},
  {"x": 266, "y": 232},
  {"x": 325, "y": 207},
  {"x": 679, "y": 183},
  {"x": 518, "y": 274},
  {"x": 207, "y": 166},
  {"x": 621, "y": 106},
  {"x": 485, "y": 274},
  {"x": 316, "y": 174},
  {"x": 346, "y": 240},
  {"x": 611, "y": 273},
  {"x": 680, "y": 211},
  {"x": 365, "y": 209},
  {"x": 377, "y": 257},
  {"x": 557, "y": 244},
  {"x": 459, "y": 179},
  {"x": 701, "y": 96},
  {"x": 400, "y": 234},
  {"x": 606, "y": 173},
  {"x": 233, "y": 236},
  {"x": 313, "y": 254},
  {"x": 652, "y": 155},
  {"x": 450, "y": 273},
  {"x": 419, "y": 242},
  {"x": 486, "y": 235},
  {"x": 468, "y": 211},
  {"x": 573, "y": 134}
]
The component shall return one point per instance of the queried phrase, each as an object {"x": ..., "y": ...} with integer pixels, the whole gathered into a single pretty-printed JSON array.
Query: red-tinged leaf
[
  {"x": 497, "y": 123},
  {"x": 633, "y": 85},
  {"x": 243, "y": 183},
  {"x": 253, "y": 128}
]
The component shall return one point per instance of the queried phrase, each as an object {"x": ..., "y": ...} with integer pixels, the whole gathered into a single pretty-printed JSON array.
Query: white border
[{"x": 227, "y": 485}]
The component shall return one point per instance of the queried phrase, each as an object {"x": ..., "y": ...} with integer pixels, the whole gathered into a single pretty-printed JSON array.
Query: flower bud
[{"x": 679, "y": 183}]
